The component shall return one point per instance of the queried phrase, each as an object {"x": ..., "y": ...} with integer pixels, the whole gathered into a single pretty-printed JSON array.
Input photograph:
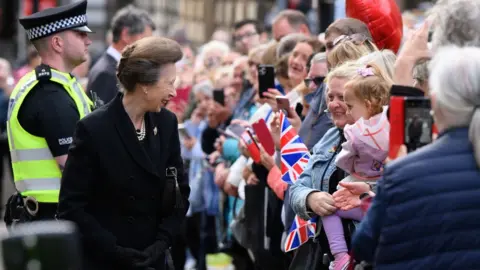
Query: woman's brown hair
[
  {"x": 348, "y": 26},
  {"x": 143, "y": 60}
]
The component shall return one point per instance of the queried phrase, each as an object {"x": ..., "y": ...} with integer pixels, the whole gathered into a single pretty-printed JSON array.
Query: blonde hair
[
  {"x": 347, "y": 70},
  {"x": 269, "y": 57},
  {"x": 222, "y": 76},
  {"x": 258, "y": 52},
  {"x": 373, "y": 88},
  {"x": 384, "y": 59},
  {"x": 347, "y": 50}
]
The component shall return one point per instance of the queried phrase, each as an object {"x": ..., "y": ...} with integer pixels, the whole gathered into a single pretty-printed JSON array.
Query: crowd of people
[
  {"x": 331, "y": 195},
  {"x": 343, "y": 85}
]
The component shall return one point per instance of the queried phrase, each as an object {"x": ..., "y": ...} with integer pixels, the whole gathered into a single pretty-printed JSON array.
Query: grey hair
[
  {"x": 384, "y": 59},
  {"x": 132, "y": 18},
  {"x": 288, "y": 43},
  {"x": 456, "y": 22},
  {"x": 215, "y": 45},
  {"x": 319, "y": 58},
  {"x": 420, "y": 71},
  {"x": 205, "y": 87},
  {"x": 295, "y": 18},
  {"x": 454, "y": 84}
]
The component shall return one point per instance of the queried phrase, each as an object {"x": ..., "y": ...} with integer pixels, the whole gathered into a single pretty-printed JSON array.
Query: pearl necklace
[{"x": 141, "y": 133}]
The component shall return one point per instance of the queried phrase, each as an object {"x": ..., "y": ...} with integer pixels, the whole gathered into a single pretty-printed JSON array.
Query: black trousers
[
  {"x": 241, "y": 258},
  {"x": 199, "y": 236}
]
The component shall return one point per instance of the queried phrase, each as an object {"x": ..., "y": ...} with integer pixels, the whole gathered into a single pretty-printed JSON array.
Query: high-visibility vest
[{"x": 35, "y": 170}]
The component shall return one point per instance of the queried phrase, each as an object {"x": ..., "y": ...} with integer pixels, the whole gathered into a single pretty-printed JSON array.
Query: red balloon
[{"x": 383, "y": 19}]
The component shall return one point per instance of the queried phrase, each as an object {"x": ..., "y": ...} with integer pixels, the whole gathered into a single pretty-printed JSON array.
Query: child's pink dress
[
  {"x": 366, "y": 147},
  {"x": 362, "y": 156}
]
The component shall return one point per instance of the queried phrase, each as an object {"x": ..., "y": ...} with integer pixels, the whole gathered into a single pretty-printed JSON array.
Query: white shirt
[{"x": 114, "y": 53}]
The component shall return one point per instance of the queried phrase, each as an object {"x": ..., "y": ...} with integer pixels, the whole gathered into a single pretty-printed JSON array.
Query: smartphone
[
  {"x": 226, "y": 133},
  {"x": 183, "y": 131},
  {"x": 251, "y": 144},
  {"x": 219, "y": 96},
  {"x": 283, "y": 103},
  {"x": 235, "y": 130},
  {"x": 411, "y": 123},
  {"x": 266, "y": 78},
  {"x": 418, "y": 122}
]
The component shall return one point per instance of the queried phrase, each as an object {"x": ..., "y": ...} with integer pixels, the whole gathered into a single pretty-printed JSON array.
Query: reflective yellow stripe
[
  {"x": 76, "y": 88},
  {"x": 31, "y": 154},
  {"x": 43, "y": 196},
  {"x": 35, "y": 170},
  {"x": 38, "y": 184},
  {"x": 31, "y": 81},
  {"x": 79, "y": 91}
]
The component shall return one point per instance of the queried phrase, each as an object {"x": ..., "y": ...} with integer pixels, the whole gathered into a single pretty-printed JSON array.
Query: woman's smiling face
[
  {"x": 297, "y": 62},
  {"x": 336, "y": 102}
]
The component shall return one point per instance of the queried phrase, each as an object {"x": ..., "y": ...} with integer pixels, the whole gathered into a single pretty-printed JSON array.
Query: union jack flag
[
  {"x": 300, "y": 232},
  {"x": 294, "y": 153}
]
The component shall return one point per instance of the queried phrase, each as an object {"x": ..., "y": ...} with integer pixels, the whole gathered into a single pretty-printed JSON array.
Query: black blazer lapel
[
  {"x": 156, "y": 141},
  {"x": 126, "y": 131}
]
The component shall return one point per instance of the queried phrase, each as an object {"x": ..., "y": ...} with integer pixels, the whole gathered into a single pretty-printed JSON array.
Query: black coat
[
  {"x": 102, "y": 78},
  {"x": 114, "y": 192}
]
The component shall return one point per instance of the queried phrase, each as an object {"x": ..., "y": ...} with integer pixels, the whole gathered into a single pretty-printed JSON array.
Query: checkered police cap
[{"x": 54, "y": 20}]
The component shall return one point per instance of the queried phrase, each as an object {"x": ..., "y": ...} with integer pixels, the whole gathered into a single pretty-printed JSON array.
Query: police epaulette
[{"x": 43, "y": 72}]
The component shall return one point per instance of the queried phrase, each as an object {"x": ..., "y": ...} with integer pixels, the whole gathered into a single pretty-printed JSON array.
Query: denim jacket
[{"x": 322, "y": 163}]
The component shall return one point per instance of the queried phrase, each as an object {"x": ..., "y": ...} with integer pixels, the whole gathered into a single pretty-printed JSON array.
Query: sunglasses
[
  {"x": 316, "y": 80},
  {"x": 357, "y": 39}
]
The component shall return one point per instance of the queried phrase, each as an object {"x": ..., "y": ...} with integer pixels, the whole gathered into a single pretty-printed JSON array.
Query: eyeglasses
[
  {"x": 246, "y": 35},
  {"x": 316, "y": 80},
  {"x": 357, "y": 39}
]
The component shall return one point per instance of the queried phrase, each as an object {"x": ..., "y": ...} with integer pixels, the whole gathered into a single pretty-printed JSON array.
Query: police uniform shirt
[{"x": 48, "y": 111}]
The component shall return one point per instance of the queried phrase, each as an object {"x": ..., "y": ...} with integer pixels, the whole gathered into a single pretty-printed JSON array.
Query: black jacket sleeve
[
  {"x": 407, "y": 91},
  {"x": 76, "y": 189},
  {"x": 104, "y": 84},
  {"x": 209, "y": 136},
  {"x": 168, "y": 228}
]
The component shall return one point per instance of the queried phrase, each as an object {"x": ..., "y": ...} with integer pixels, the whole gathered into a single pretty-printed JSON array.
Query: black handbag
[
  {"x": 171, "y": 176},
  {"x": 178, "y": 205}
]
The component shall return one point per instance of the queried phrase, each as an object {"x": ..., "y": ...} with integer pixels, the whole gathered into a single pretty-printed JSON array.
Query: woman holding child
[{"x": 355, "y": 93}]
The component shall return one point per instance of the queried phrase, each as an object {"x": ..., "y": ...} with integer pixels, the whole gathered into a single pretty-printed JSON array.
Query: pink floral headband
[{"x": 365, "y": 72}]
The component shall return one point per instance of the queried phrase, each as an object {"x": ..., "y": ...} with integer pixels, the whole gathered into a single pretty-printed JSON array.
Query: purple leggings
[{"x": 334, "y": 228}]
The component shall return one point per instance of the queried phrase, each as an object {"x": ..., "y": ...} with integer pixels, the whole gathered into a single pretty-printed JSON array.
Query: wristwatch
[{"x": 364, "y": 195}]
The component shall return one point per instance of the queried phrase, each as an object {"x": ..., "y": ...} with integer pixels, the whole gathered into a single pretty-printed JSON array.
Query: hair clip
[{"x": 365, "y": 72}]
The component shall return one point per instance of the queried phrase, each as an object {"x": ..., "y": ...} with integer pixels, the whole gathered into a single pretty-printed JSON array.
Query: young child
[{"x": 365, "y": 149}]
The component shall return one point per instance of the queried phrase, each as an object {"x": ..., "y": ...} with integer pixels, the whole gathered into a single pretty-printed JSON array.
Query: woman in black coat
[{"x": 114, "y": 184}]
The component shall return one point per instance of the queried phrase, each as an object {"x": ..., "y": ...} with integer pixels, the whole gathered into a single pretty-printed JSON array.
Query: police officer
[{"x": 44, "y": 109}]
